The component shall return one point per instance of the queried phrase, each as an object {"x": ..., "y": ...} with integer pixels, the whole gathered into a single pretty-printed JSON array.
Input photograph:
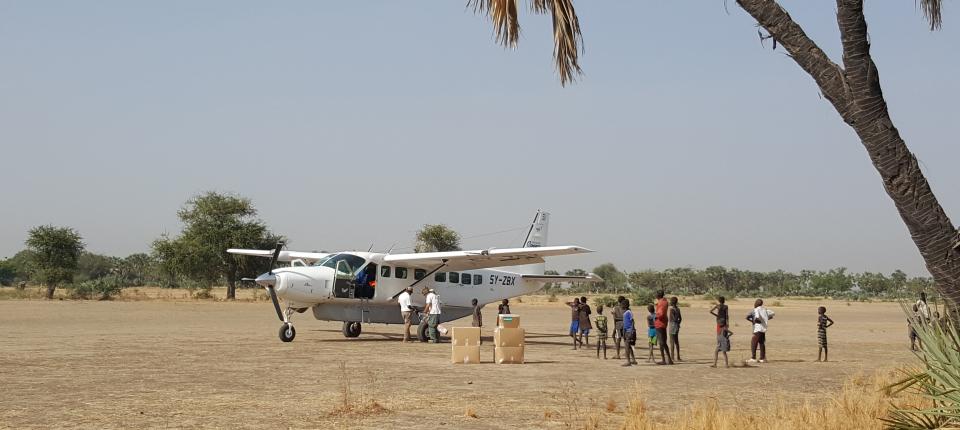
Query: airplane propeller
[{"x": 269, "y": 281}]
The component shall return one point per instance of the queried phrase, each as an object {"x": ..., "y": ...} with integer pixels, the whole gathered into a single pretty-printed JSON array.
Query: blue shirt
[{"x": 628, "y": 320}]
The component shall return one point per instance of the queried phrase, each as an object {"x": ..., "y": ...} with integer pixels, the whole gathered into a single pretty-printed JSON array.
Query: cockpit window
[{"x": 349, "y": 266}]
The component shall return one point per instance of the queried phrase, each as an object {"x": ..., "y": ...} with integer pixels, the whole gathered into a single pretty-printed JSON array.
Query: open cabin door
[{"x": 354, "y": 283}]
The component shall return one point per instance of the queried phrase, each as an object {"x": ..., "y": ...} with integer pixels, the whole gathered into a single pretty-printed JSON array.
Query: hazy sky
[{"x": 686, "y": 142}]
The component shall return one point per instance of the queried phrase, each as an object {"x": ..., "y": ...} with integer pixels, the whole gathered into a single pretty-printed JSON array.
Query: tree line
[
  {"x": 213, "y": 222},
  {"x": 732, "y": 282}
]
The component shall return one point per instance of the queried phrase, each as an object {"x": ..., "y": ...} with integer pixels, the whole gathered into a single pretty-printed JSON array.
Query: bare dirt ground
[{"x": 187, "y": 364}]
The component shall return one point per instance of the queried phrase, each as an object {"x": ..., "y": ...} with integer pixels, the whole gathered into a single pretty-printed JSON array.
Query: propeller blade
[
  {"x": 276, "y": 254},
  {"x": 276, "y": 302}
]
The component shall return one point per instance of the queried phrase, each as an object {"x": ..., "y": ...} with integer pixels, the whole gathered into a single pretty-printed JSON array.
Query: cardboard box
[
  {"x": 466, "y": 355},
  {"x": 508, "y": 321},
  {"x": 508, "y": 337},
  {"x": 508, "y": 355},
  {"x": 466, "y": 336}
]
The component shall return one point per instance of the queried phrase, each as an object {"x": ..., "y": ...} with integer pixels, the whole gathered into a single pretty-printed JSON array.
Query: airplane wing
[
  {"x": 482, "y": 259},
  {"x": 562, "y": 278},
  {"x": 309, "y": 257}
]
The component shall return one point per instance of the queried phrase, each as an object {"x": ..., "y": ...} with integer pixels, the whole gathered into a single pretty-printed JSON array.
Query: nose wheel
[
  {"x": 351, "y": 328},
  {"x": 287, "y": 332}
]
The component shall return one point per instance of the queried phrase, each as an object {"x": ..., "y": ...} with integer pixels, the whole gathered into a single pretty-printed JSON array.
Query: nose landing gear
[{"x": 287, "y": 332}]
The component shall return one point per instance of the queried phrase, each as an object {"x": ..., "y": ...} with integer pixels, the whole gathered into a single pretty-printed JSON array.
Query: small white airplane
[{"x": 362, "y": 287}]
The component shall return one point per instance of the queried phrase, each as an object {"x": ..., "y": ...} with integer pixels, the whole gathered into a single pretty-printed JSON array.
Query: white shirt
[
  {"x": 760, "y": 317},
  {"x": 923, "y": 309},
  {"x": 434, "y": 301},
  {"x": 404, "y": 301}
]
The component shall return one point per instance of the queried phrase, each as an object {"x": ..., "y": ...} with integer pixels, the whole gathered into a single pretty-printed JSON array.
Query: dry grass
[
  {"x": 360, "y": 404},
  {"x": 860, "y": 404},
  {"x": 470, "y": 412}
]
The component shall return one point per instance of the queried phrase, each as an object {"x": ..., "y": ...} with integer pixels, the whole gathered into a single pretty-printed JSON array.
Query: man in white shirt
[
  {"x": 923, "y": 308},
  {"x": 432, "y": 310},
  {"x": 406, "y": 311},
  {"x": 759, "y": 317}
]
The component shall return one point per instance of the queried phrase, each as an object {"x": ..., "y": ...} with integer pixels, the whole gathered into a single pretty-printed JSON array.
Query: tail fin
[{"x": 536, "y": 237}]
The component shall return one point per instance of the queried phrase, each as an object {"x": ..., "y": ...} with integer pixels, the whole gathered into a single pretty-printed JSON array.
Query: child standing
[
  {"x": 912, "y": 329},
  {"x": 674, "y": 320},
  {"x": 629, "y": 332},
  {"x": 723, "y": 345},
  {"x": 575, "y": 321},
  {"x": 651, "y": 329},
  {"x": 823, "y": 321},
  {"x": 601, "y": 321}
]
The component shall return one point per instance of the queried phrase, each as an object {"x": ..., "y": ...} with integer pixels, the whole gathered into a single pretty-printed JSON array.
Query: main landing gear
[{"x": 351, "y": 328}]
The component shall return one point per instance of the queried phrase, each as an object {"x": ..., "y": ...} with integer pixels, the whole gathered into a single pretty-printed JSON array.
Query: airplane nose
[{"x": 266, "y": 280}]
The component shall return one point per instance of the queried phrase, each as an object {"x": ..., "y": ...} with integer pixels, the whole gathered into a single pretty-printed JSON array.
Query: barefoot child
[
  {"x": 618, "y": 323},
  {"x": 823, "y": 321},
  {"x": 629, "y": 332},
  {"x": 601, "y": 327},
  {"x": 674, "y": 320},
  {"x": 575, "y": 322},
  {"x": 723, "y": 345},
  {"x": 651, "y": 329}
]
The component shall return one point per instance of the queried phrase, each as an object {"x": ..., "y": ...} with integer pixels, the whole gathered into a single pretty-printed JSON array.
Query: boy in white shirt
[{"x": 759, "y": 317}]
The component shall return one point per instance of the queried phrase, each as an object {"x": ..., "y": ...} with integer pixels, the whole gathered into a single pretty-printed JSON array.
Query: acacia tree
[
  {"x": 853, "y": 89},
  {"x": 213, "y": 223},
  {"x": 437, "y": 238},
  {"x": 54, "y": 254}
]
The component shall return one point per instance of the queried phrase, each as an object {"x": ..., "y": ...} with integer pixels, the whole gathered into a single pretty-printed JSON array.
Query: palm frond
[
  {"x": 567, "y": 39},
  {"x": 503, "y": 15},
  {"x": 932, "y": 12}
]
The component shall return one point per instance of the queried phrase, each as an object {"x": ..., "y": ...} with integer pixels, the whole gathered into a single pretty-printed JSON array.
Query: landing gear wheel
[
  {"x": 351, "y": 329},
  {"x": 287, "y": 332},
  {"x": 422, "y": 332}
]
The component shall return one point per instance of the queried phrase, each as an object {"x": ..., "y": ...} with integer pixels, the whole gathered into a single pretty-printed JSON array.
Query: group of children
[{"x": 664, "y": 318}]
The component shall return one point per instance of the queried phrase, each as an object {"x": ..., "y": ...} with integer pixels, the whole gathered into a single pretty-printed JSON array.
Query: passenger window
[
  {"x": 384, "y": 271},
  {"x": 454, "y": 278},
  {"x": 440, "y": 277},
  {"x": 465, "y": 279},
  {"x": 419, "y": 274},
  {"x": 477, "y": 279},
  {"x": 401, "y": 273}
]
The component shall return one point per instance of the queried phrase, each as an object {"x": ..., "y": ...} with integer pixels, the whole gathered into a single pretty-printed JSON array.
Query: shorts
[
  {"x": 631, "y": 337},
  {"x": 406, "y": 316},
  {"x": 822, "y": 338},
  {"x": 574, "y": 327},
  {"x": 674, "y": 330},
  {"x": 913, "y": 334},
  {"x": 652, "y": 335},
  {"x": 585, "y": 332},
  {"x": 662, "y": 336},
  {"x": 617, "y": 329}
]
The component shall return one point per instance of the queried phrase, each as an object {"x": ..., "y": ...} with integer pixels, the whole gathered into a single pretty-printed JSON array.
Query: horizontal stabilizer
[{"x": 562, "y": 278}]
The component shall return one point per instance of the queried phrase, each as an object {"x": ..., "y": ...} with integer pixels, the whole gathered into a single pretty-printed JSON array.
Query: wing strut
[{"x": 424, "y": 277}]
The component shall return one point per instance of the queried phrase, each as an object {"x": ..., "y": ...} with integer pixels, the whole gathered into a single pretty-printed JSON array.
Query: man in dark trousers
[{"x": 660, "y": 324}]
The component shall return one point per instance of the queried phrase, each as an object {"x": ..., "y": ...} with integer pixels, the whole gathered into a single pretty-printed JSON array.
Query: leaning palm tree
[{"x": 853, "y": 89}]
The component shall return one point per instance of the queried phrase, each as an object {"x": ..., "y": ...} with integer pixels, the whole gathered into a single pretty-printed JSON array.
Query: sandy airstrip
[{"x": 175, "y": 362}]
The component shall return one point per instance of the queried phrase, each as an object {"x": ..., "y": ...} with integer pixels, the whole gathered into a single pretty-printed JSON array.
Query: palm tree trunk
[
  {"x": 855, "y": 93},
  {"x": 50, "y": 289}
]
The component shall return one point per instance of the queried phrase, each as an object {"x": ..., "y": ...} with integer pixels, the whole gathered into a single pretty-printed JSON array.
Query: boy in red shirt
[{"x": 660, "y": 323}]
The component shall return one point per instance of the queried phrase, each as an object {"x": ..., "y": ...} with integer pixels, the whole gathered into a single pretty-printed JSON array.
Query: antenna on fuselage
[
  {"x": 370, "y": 248},
  {"x": 391, "y": 248}
]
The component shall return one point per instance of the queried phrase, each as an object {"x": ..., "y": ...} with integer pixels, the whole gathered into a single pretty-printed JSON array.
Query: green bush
[
  {"x": 605, "y": 301},
  {"x": 99, "y": 289},
  {"x": 642, "y": 297}
]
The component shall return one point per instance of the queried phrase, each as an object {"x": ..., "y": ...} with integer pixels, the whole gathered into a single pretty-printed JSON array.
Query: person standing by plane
[
  {"x": 504, "y": 307},
  {"x": 477, "y": 316},
  {"x": 406, "y": 311},
  {"x": 432, "y": 310}
]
